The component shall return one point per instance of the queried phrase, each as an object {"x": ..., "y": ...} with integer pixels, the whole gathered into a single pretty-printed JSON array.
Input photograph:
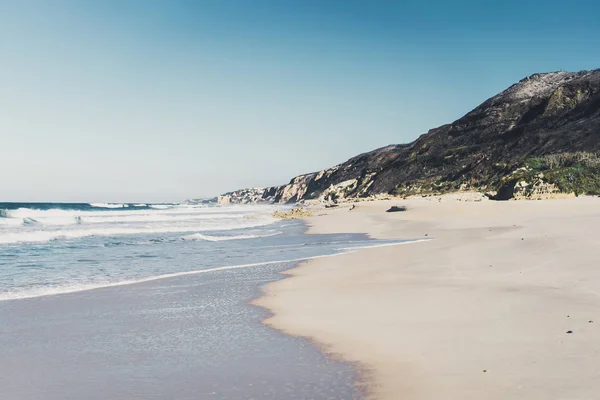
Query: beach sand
[{"x": 482, "y": 311}]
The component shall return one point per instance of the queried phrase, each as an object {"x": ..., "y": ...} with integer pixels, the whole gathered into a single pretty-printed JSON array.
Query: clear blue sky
[{"x": 165, "y": 100}]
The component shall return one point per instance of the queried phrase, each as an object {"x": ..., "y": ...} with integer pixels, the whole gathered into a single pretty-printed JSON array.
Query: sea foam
[
  {"x": 80, "y": 287},
  {"x": 30, "y": 225},
  {"x": 211, "y": 238}
]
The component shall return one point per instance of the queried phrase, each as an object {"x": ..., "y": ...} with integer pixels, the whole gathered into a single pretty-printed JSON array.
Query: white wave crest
[
  {"x": 211, "y": 238},
  {"x": 60, "y": 217},
  {"x": 109, "y": 205},
  {"x": 37, "y": 236},
  {"x": 25, "y": 225}
]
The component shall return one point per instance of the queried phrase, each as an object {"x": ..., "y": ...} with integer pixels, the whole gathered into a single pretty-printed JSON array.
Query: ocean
[{"x": 151, "y": 301}]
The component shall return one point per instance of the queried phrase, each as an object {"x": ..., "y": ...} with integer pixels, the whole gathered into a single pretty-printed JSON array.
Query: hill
[{"x": 538, "y": 138}]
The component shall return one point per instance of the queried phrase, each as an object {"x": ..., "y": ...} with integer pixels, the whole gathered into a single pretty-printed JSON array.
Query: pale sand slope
[{"x": 426, "y": 319}]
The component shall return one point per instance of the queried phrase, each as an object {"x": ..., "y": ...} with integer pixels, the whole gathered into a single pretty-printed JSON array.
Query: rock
[
  {"x": 396, "y": 209},
  {"x": 537, "y": 189},
  {"x": 294, "y": 191},
  {"x": 247, "y": 196},
  {"x": 295, "y": 213},
  {"x": 569, "y": 331}
]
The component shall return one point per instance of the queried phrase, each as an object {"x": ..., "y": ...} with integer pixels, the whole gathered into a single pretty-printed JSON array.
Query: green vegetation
[{"x": 577, "y": 172}]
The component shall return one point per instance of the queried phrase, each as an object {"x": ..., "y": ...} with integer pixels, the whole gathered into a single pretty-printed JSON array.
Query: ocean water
[
  {"x": 151, "y": 301},
  {"x": 57, "y": 248}
]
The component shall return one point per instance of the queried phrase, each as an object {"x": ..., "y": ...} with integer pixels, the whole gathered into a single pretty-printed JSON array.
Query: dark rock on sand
[{"x": 396, "y": 209}]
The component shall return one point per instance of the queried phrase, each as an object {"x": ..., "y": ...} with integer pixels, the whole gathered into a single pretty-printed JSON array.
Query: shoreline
[
  {"x": 482, "y": 311},
  {"x": 65, "y": 290},
  {"x": 185, "y": 336}
]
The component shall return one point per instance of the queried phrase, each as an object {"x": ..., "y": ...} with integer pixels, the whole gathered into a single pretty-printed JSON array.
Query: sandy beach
[{"x": 502, "y": 303}]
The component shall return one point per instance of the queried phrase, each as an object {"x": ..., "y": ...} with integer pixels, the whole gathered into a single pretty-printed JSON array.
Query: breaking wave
[
  {"x": 211, "y": 238},
  {"x": 43, "y": 222},
  {"x": 108, "y": 205},
  {"x": 49, "y": 235}
]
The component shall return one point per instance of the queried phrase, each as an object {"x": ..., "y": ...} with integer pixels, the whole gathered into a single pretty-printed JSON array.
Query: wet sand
[{"x": 503, "y": 303}]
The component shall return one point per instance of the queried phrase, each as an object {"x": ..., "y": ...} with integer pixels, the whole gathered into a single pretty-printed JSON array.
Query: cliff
[{"x": 507, "y": 143}]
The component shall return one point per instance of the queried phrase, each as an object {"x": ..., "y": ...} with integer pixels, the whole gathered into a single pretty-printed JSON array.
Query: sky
[{"x": 145, "y": 100}]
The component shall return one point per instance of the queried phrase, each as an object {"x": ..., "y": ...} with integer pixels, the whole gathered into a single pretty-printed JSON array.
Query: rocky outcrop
[
  {"x": 532, "y": 187},
  {"x": 248, "y": 196},
  {"x": 542, "y": 114},
  {"x": 295, "y": 190},
  {"x": 295, "y": 213}
]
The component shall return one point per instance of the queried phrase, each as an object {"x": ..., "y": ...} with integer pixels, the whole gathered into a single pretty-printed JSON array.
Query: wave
[
  {"x": 210, "y": 238},
  {"x": 39, "y": 236},
  {"x": 74, "y": 206},
  {"x": 82, "y": 287},
  {"x": 73, "y": 288},
  {"x": 127, "y": 215},
  {"x": 156, "y": 218},
  {"x": 161, "y": 206},
  {"x": 109, "y": 205},
  {"x": 47, "y": 222}
]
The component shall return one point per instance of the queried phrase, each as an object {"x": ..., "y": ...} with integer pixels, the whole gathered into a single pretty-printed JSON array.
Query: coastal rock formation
[
  {"x": 542, "y": 115},
  {"x": 295, "y": 213},
  {"x": 248, "y": 196},
  {"x": 295, "y": 190}
]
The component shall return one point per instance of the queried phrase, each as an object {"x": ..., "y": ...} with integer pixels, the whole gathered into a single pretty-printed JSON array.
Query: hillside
[{"x": 538, "y": 137}]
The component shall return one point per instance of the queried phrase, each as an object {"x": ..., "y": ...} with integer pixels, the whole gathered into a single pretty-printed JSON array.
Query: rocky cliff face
[
  {"x": 541, "y": 115},
  {"x": 247, "y": 196}
]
